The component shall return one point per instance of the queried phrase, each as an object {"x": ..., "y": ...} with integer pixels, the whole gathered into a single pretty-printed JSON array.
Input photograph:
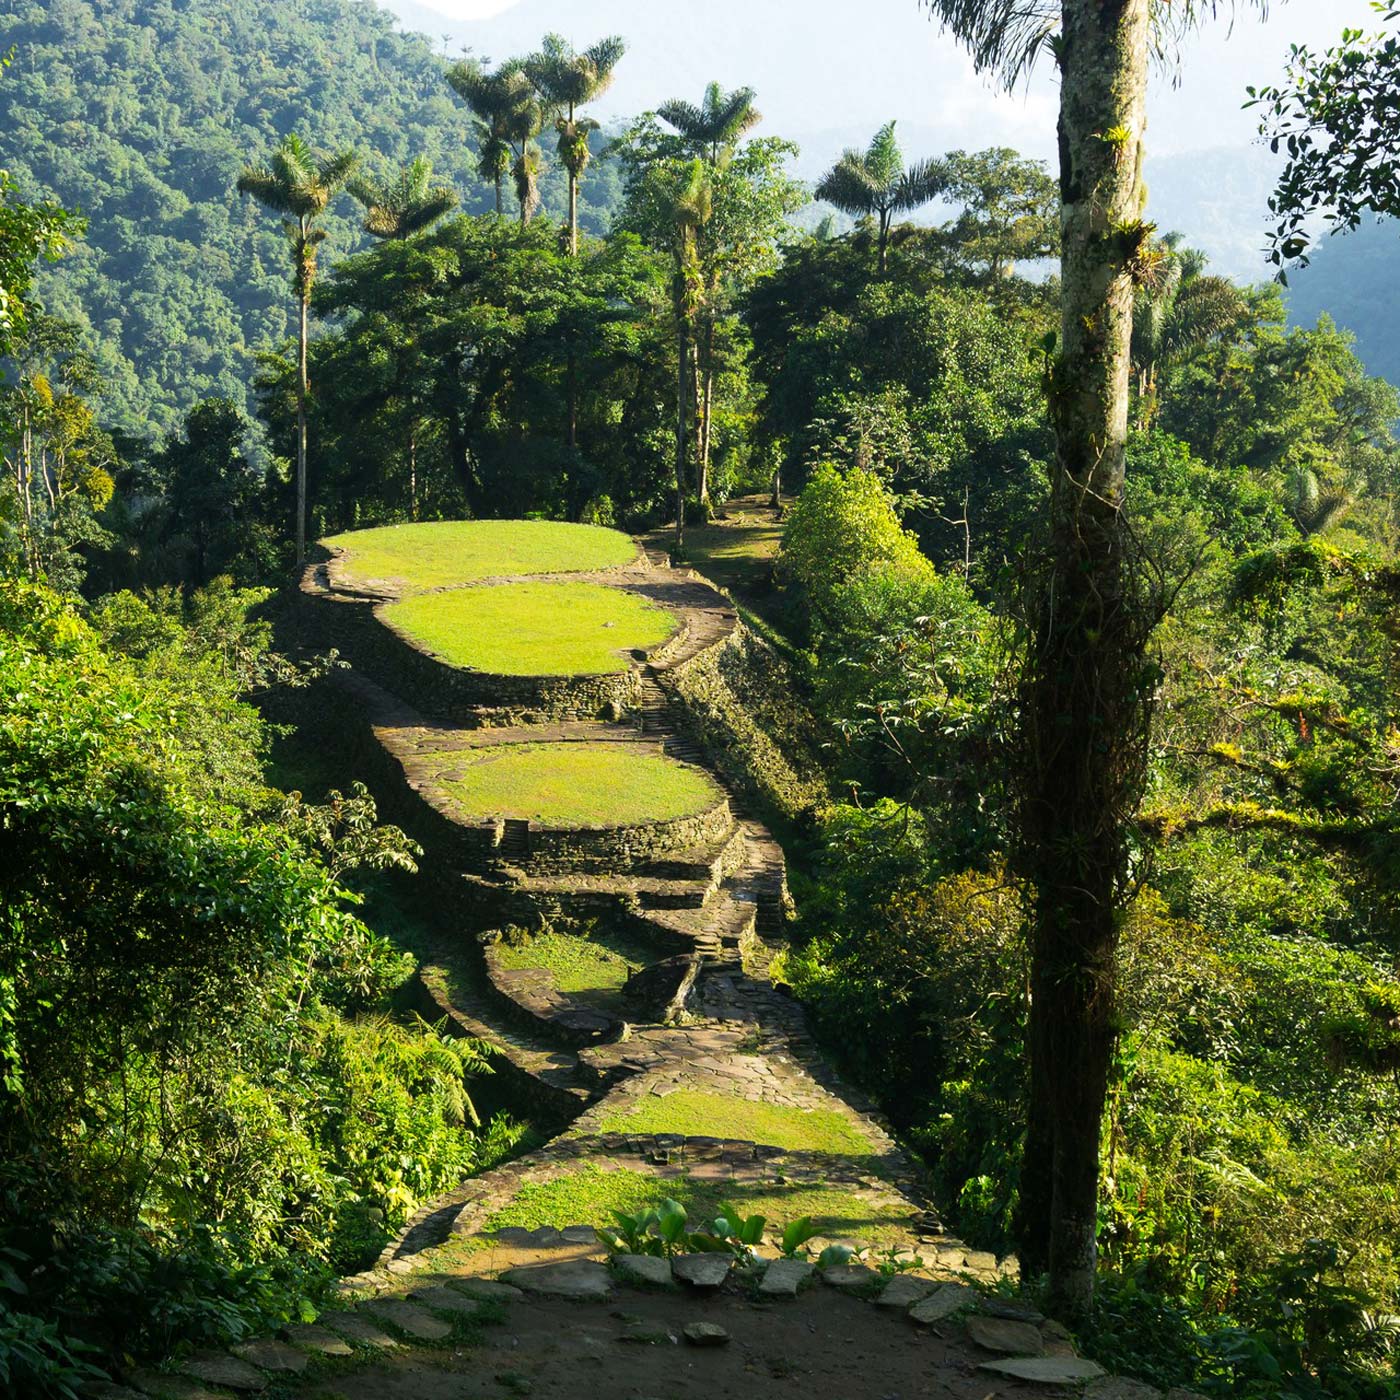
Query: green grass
[
  {"x": 694, "y": 1113},
  {"x": 592, "y": 966},
  {"x": 444, "y": 552},
  {"x": 533, "y": 629},
  {"x": 590, "y": 1195},
  {"x": 575, "y": 784}
]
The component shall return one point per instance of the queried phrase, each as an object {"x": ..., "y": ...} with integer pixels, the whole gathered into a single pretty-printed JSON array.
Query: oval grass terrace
[
  {"x": 533, "y": 628},
  {"x": 574, "y": 785},
  {"x": 398, "y": 559}
]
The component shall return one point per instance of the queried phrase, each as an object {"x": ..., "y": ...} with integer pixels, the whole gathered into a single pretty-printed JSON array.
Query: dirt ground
[{"x": 822, "y": 1343}]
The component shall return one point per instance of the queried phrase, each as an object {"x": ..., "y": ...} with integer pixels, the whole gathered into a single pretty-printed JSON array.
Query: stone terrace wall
[{"x": 737, "y": 700}]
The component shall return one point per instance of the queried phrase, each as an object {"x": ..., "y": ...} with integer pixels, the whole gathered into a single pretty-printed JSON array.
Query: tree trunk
[
  {"x": 682, "y": 408},
  {"x": 413, "y": 471},
  {"x": 707, "y": 404},
  {"x": 573, "y": 215},
  {"x": 303, "y": 390},
  {"x": 500, "y": 194},
  {"x": 1084, "y": 706},
  {"x": 884, "y": 259}
]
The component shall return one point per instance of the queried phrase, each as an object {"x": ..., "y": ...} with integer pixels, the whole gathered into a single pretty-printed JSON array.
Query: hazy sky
[{"x": 896, "y": 63}]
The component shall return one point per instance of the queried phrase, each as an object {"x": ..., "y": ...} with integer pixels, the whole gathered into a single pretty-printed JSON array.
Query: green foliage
[{"x": 193, "y": 1135}]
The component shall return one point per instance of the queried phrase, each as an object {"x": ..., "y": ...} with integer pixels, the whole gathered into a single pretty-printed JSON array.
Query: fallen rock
[
  {"x": 276, "y": 1357},
  {"x": 446, "y": 1300},
  {"x": 643, "y": 1268},
  {"x": 648, "y": 1334},
  {"x": 1121, "y": 1388},
  {"x": 360, "y": 1330},
  {"x": 319, "y": 1340},
  {"x": 1048, "y": 1370},
  {"x": 705, "y": 1334},
  {"x": 950, "y": 1298},
  {"x": 903, "y": 1291},
  {"x": 579, "y": 1279},
  {"x": 701, "y": 1270},
  {"x": 1006, "y": 1336},
  {"x": 414, "y": 1321},
  {"x": 579, "y": 1234},
  {"x": 994, "y": 1306},
  {"x": 486, "y": 1288},
  {"x": 848, "y": 1276},
  {"x": 219, "y": 1368},
  {"x": 783, "y": 1277},
  {"x": 167, "y": 1387}
]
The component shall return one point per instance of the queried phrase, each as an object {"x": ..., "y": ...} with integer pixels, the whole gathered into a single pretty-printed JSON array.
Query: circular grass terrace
[
  {"x": 533, "y": 628},
  {"x": 577, "y": 785},
  {"x": 439, "y": 553}
]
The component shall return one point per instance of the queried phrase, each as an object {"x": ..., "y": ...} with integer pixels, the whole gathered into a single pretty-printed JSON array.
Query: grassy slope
[
  {"x": 694, "y": 1113},
  {"x": 593, "y": 967},
  {"x": 533, "y": 629},
  {"x": 443, "y": 552},
  {"x": 590, "y": 1195},
  {"x": 575, "y": 784}
]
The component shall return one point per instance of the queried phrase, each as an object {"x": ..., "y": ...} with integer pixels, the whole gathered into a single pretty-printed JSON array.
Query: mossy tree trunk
[{"x": 1084, "y": 701}]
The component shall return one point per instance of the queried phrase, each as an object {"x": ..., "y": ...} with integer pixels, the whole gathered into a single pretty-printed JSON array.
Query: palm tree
[
  {"x": 713, "y": 128},
  {"x": 298, "y": 185},
  {"x": 711, "y": 131},
  {"x": 508, "y": 117},
  {"x": 1177, "y": 311},
  {"x": 397, "y": 209},
  {"x": 566, "y": 79},
  {"x": 874, "y": 183}
]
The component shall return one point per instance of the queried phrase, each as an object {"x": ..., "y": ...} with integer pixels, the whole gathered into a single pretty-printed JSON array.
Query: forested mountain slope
[
  {"x": 1353, "y": 279},
  {"x": 141, "y": 113}
]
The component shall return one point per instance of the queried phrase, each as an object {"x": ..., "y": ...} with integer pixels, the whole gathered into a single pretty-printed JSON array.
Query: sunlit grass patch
[
  {"x": 593, "y": 966},
  {"x": 533, "y": 629},
  {"x": 576, "y": 784},
  {"x": 442, "y": 552},
  {"x": 695, "y": 1113},
  {"x": 589, "y": 1195}
]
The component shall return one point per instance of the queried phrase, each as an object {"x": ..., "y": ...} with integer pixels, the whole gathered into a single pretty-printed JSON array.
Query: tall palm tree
[
  {"x": 1179, "y": 310},
  {"x": 508, "y": 117},
  {"x": 717, "y": 124},
  {"x": 399, "y": 208},
  {"x": 298, "y": 185},
  {"x": 565, "y": 80},
  {"x": 875, "y": 184},
  {"x": 711, "y": 131}
]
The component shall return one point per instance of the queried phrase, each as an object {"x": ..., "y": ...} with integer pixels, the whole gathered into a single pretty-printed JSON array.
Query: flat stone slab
[
  {"x": 643, "y": 1268},
  {"x": 783, "y": 1277},
  {"x": 220, "y": 1368},
  {"x": 168, "y": 1387},
  {"x": 903, "y": 1291},
  {"x": 1121, "y": 1388},
  {"x": 579, "y": 1234},
  {"x": 575, "y": 1278},
  {"x": 320, "y": 1340},
  {"x": 363, "y": 1331},
  {"x": 848, "y": 1276},
  {"x": 993, "y": 1306},
  {"x": 1006, "y": 1336},
  {"x": 705, "y": 1334},
  {"x": 701, "y": 1270},
  {"x": 951, "y": 1298},
  {"x": 1048, "y": 1370},
  {"x": 486, "y": 1288},
  {"x": 417, "y": 1322},
  {"x": 276, "y": 1357},
  {"x": 446, "y": 1300}
]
